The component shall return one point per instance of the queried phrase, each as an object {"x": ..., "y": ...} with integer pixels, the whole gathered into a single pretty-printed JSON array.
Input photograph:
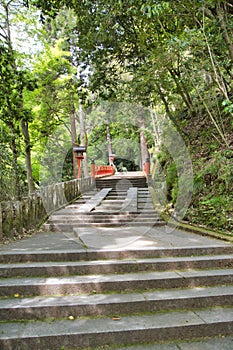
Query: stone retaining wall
[{"x": 17, "y": 218}]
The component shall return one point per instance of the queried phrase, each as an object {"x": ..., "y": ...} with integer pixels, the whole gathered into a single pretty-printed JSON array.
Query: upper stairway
[
  {"x": 119, "y": 200},
  {"x": 122, "y": 181}
]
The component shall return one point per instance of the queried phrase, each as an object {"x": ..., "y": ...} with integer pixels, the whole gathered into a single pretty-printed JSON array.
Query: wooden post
[{"x": 79, "y": 168}]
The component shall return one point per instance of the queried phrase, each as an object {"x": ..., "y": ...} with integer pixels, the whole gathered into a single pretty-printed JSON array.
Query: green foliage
[
  {"x": 214, "y": 211},
  {"x": 213, "y": 185},
  {"x": 10, "y": 85},
  {"x": 172, "y": 182},
  {"x": 8, "y": 190},
  {"x": 228, "y": 106},
  {"x": 168, "y": 167}
]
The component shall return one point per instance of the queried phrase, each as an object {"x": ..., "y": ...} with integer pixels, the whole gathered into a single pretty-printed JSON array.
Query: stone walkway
[{"x": 136, "y": 238}]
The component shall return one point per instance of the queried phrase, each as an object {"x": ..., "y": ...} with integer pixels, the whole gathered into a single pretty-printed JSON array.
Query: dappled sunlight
[{"x": 113, "y": 238}]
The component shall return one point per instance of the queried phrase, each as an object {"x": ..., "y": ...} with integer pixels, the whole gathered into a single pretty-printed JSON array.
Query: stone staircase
[
  {"x": 110, "y": 298},
  {"x": 117, "y": 202},
  {"x": 81, "y": 299},
  {"x": 121, "y": 183}
]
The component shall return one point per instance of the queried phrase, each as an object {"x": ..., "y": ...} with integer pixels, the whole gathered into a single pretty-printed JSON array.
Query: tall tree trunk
[
  {"x": 143, "y": 144},
  {"x": 24, "y": 127},
  {"x": 144, "y": 150},
  {"x": 7, "y": 24},
  {"x": 217, "y": 73},
  {"x": 109, "y": 142},
  {"x": 17, "y": 185},
  {"x": 155, "y": 125},
  {"x": 83, "y": 138},
  {"x": 166, "y": 105},
  {"x": 180, "y": 88},
  {"x": 73, "y": 139},
  {"x": 221, "y": 13}
]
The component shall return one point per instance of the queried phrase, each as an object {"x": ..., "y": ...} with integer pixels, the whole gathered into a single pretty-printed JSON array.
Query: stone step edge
[
  {"x": 113, "y": 282},
  {"x": 105, "y": 222},
  {"x": 119, "y": 266},
  {"x": 104, "y": 254},
  {"x": 68, "y": 227},
  {"x": 62, "y": 216},
  {"x": 110, "y": 304},
  {"x": 106, "y": 218},
  {"x": 106, "y": 331},
  {"x": 70, "y": 212}
]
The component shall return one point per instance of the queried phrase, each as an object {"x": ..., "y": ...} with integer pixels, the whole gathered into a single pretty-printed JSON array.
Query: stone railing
[{"x": 19, "y": 217}]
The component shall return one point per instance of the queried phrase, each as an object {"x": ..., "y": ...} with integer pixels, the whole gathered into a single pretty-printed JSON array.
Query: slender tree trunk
[
  {"x": 217, "y": 74},
  {"x": 155, "y": 127},
  {"x": 144, "y": 150},
  {"x": 74, "y": 139},
  {"x": 17, "y": 186},
  {"x": 163, "y": 98},
  {"x": 182, "y": 92},
  {"x": 31, "y": 185},
  {"x": 7, "y": 23},
  {"x": 166, "y": 105},
  {"x": 83, "y": 138},
  {"x": 221, "y": 14},
  {"x": 143, "y": 144},
  {"x": 109, "y": 142}
]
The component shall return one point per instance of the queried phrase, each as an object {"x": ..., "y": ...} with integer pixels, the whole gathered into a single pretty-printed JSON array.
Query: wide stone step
[
  {"x": 114, "y": 282},
  {"x": 106, "y": 254},
  {"x": 114, "y": 304},
  {"x": 114, "y": 266},
  {"x": 105, "y": 219},
  {"x": 96, "y": 214},
  {"x": 102, "y": 215},
  {"x": 70, "y": 227},
  {"x": 74, "y": 212},
  {"x": 81, "y": 333}
]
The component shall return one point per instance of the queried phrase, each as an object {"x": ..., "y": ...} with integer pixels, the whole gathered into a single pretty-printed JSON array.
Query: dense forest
[{"x": 120, "y": 74}]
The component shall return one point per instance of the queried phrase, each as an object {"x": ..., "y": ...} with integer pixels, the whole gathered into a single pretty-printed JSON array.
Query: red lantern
[{"x": 78, "y": 151}]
